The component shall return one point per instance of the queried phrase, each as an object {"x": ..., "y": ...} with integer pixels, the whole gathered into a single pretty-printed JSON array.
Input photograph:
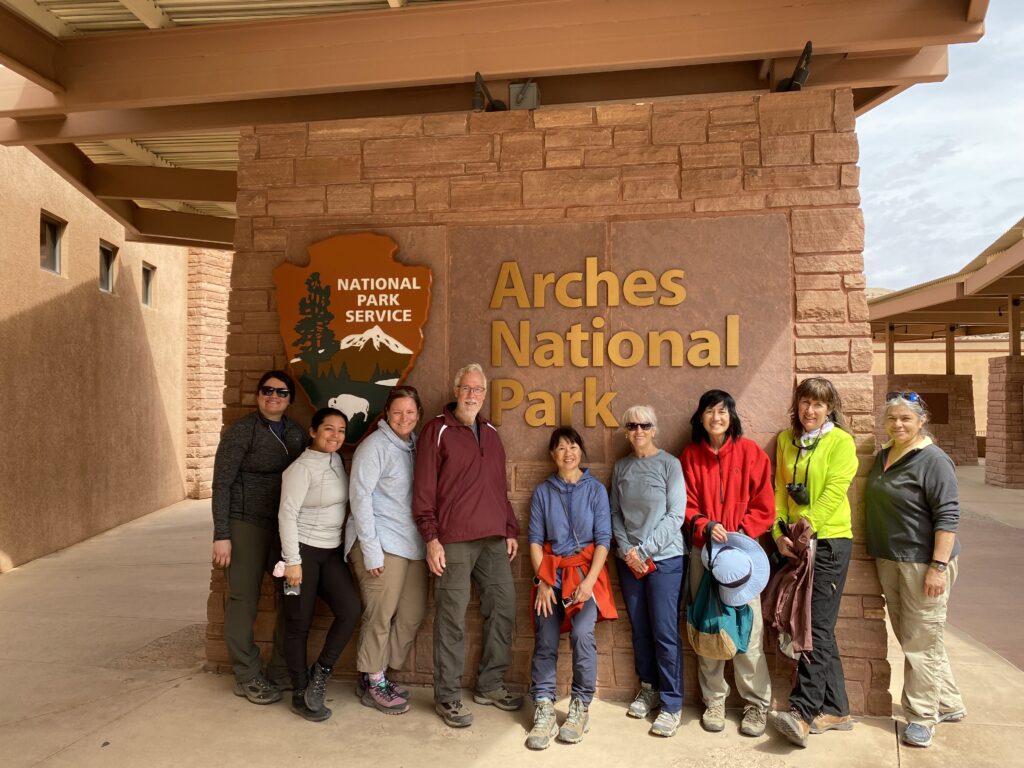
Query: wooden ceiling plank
[
  {"x": 860, "y": 107},
  {"x": 148, "y": 12},
  {"x": 41, "y": 17}
]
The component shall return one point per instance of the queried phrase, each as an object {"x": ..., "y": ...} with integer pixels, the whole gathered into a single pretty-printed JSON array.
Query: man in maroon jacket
[{"x": 462, "y": 511}]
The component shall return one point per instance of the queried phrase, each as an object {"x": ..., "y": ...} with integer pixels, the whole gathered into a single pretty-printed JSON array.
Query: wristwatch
[
  {"x": 939, "y": 566},
  {"x": 536, "y": 581}
]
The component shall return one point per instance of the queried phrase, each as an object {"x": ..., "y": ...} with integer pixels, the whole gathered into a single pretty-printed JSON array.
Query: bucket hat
[{"x": 740, "y": 566}]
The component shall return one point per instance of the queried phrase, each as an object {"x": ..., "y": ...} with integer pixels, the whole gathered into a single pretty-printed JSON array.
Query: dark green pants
[
  {"x": 485, "y": 563},
  {"x": 250, "y": 548}
]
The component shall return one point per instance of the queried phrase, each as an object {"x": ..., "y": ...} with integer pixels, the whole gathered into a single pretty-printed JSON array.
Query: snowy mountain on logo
[{"x": 377, "y": 338}]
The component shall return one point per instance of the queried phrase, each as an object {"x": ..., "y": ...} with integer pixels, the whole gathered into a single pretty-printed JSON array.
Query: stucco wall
[
  {"x": 94, "y": 421},
  {"x": 756, "y": 195}
]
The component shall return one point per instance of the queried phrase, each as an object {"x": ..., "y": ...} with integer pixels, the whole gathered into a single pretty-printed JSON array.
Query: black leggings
[{"x": 324, "y": 575}]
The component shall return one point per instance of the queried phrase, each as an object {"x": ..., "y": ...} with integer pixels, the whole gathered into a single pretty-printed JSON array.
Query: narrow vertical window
[
  {"x": 148, "y": 278},
  {"x": 107, "y": 255},
  {"x": 50, "y": 232}
]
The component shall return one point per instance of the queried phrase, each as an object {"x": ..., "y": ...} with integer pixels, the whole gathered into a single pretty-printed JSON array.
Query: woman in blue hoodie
[{"x": 570, "y": 532}]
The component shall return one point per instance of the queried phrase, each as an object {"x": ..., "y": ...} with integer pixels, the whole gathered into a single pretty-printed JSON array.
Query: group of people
[{"x": 438, "y": 502}]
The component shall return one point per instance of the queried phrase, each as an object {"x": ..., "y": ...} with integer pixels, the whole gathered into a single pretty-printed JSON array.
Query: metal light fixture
[
  {"x": 800, "y": 73},
  {"x": 482, "y": 100}
]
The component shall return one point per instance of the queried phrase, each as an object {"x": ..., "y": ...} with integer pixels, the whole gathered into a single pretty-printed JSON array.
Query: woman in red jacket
[{"x": 728, "y": 481}]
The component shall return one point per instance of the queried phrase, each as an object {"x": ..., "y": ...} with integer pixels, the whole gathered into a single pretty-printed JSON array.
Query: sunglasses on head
[
  {"x": 633, "y": 426},
  {"x": 910, "y": 397},
  {"x": 279, "y": 391}
]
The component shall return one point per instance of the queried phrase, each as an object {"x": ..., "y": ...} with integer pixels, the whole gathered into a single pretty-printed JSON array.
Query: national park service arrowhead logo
[{"x": 352, "y": 323}]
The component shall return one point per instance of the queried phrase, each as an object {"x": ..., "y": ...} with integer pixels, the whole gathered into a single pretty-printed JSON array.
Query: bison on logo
[{"x": 352, "y": 323}]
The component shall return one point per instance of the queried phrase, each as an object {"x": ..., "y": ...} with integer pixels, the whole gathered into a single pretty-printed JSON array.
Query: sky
[{"x": 942, "y": 164}]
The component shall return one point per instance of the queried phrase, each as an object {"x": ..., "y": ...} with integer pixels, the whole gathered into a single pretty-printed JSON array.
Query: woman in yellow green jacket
[{"x": 816, "y": 462}]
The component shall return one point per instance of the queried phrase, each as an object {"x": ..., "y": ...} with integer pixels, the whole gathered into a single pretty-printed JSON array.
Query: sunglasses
[
  {"x": 279, "y": 391},
  {"x": 910, "y": 397},
  {"x": 633, "y": 426}
]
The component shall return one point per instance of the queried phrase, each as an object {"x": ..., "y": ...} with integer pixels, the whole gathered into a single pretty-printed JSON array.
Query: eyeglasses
[
  {"x": 279, "y": 391},
  {"x": 910, "y": 397},
  {"x": 633, "y": 426},
  {"x": 468, "y": 390}
]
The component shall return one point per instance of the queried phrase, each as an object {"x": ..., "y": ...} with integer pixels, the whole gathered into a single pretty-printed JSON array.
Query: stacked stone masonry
[
  {"x": 209, "y": 282},
  {"x": 706, "y": 156},
  {"x": 1004, "y": 450}
]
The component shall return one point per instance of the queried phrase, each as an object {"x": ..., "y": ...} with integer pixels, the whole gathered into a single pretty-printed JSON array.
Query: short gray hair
[
  {"x": 916, "y": 407},
  {"x": 471, "y": 368},
  {"x": 642, "y": 414}
]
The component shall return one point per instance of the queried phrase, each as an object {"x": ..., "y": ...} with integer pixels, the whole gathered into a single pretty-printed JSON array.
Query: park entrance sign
[{"x": 352, "y": 323}]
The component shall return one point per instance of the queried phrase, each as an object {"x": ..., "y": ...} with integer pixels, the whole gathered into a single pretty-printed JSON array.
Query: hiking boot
[
  {"x": 754, "y": 720},
  {"x": 823, "y": 723},
  {"x": 791, "y": 725},
  {"x": 362, "y": 683},
  {"x": 280, "y": 680},
  {"x": 396, "y": 689},
  {"x": 501, "y": 698},
  {"x": 454, "y": 714},
  {"x": 299, "y": 707},
  {"x": 954, "y": 716},
  {"x": 258, "y": 690},
  {"x": 917, "y": 735},
  {"x": 666, "y": 724},
  {"x": 647, "y": 700},
  {"x": 381, "y": 697},
  {"x": 576, "y": 724},
  {"x": 317, "y": 687},
  {"x": 713, "y": 719},
  {"x": 545, "y": 726}
]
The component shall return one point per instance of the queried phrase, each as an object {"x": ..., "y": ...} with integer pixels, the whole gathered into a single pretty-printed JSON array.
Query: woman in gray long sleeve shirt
[{"x": 648, "y": 503}]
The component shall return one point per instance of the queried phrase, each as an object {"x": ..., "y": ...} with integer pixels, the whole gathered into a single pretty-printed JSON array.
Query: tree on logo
[{"x": 315, "y": 335}]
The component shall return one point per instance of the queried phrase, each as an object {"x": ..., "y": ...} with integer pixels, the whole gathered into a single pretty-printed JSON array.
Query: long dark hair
[
  {"x": 710, "y": 399},
  {"x": 824, "y": 391}
]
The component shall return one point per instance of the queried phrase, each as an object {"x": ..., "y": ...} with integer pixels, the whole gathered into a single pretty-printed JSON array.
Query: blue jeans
[
  {"x": 584, "y": 652},
  {"x": 653, "y": 606}
]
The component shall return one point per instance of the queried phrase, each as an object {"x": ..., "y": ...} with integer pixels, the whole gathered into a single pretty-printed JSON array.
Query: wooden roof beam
[
  {"x": 148, "y": 12},
  {"x": 26, "y": 99},
  {"x": 135, "y": 182},
  {"x": 884, "y": 307},
  {"x": 193, "y": 227},
  {"x": 928, "y": 65},
  {"x": 29, "y": 51},
  {"x": 1006, "y": 262}
]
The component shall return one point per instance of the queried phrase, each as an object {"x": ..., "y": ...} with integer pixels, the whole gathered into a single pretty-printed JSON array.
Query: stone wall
[
  {"x": 209, "y": 279},
  {"x": 716, "y": 170},
  {"x": 1004, "y": 459},
  {"x": 958, "y": 435}
]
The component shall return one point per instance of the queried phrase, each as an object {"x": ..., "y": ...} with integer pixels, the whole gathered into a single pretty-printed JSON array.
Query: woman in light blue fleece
[
  {"x": 389, "y": 559},
  {"x": 648, "y": 502}
]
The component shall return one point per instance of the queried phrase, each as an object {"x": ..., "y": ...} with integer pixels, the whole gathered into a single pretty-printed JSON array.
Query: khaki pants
[
  {"x": 919, "y": 623},
  {"x": 750, "y": 670},
  {"x": 393, "y": 607}
]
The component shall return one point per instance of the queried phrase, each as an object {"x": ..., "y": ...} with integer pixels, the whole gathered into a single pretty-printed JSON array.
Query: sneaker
[
  {"x": 917, "y": 735},
  {"x": 823, "y": 723},
  {"x": 316, "y": 690},
  {"x": 955, "y": 716},
  {"x": 382, "y": 698},
  {"x": 299, "y": 707},
  {"x": 258, "y": 690},
  {"x": 713, "y": 719},
  {"x": 545, "y": 726},
  {"x": 666, "y": 724},
  {"x": 791, "y": 725},
  {"x": 754, "y": 720},
  {"x": 576, "y": 724},
  {"x": 647, "y": 700},
  {"x": 454, "y": 714},
  {"x": 501, "y": 698}
]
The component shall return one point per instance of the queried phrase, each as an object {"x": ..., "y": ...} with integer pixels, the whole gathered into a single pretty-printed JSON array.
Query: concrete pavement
[{"x": 101, "y": 654}]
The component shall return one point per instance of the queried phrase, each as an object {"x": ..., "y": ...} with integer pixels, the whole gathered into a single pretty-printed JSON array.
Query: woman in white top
[{"x": 314, "y": 490}]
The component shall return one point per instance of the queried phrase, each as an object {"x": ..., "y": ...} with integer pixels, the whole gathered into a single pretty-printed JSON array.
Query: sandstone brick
[
  {"x": 251, "y": 202},
  {"x": 850, "y": 176},
  {"x": 601, "y": 212},
  {"x": 248, "y": 147},
  {"x": 432, "y": 195},
  {"x": 392, "y": 189},
  {"x": 854, "y": 280},
  {"x": 327, "y": 170},
  {"x": 741, "y": 113},
  {"x": 564, "y": 138},
  {"x": 843, "y": 115},
  {"x": 349, "y": 198},
  {"x": 269, "y": 239},
  {"x": 821, "y": 363},
  {"x": 845, "y": 262},
  {"x": 414, "y": 171},
  {"x": 738, "y": 132},
  {"x": 563, "y": 158},
  {"x": 813, "y": 197},
  {"x": 818, "y": 282},
  {"x": 556, "y": 117},
  {"x": 427, "y": 150},
  {"x": 751, "y": 151},
  {"x": 821, "y": 346},
  {"x": 585, "y": 186},
  {"x": 836, "y": 148},
  {"x": 366, "y": 128},
  {"x": 291, "y": 143},
  {"x": 650, "y": 189},
  {"x": 394, "y": 205},
  {"x": 711, "y": 182},
  {"x": 858, "y": 306},
  {"x": 834, "y": 229},
  {"x": 296, "y": 207},
  {"x": 269, "y": 128},
  {"x": 472, "y": 195},
  {"x": 720, "y": 155},
  {"x": 629, "y": 156},
  {"x": 252, "y": 300},
  {"x": 679, "y": 128},
  {"x": 498, "y": 216},
  {"x": 333, "y": 147},
  {"x": 631, "y": 137},
  {"x": 622, "y": 114},
  {"x": 861, "y": 354},
  {"x": 445, "y": 125},
  {"x": 816, "y": 306},
  {"x": 799, "y": 112},
  {"x": 703, "y": 102},
  {"x": 496, "y": 122},
  {"x": 783, "y": 176},
  {"x": 522, "y": 150},
  {"x": 264, "y": 173},
  {"x": 786, "y": 150},
  {"x": 732, "y": 203},
  {"x": 481, "y": 168}
]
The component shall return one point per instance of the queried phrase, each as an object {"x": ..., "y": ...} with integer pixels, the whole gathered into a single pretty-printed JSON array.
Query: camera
[{"x": 798, "y": 492}]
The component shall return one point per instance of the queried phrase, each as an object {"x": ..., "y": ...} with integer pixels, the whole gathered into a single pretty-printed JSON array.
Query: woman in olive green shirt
[{"x": 816, "y": 462}]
